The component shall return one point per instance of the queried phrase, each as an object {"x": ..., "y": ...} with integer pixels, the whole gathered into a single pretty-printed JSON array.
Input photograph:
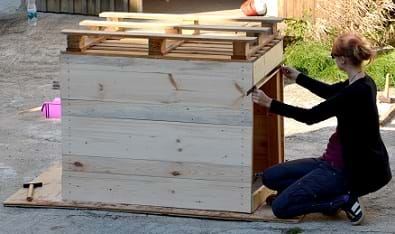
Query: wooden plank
[
  {"x": 112, "y": 5},
  {"x": 268, "y": 129},
  {"x": 268, "y": 61},
  {"x": 159, "y": 112},
  {"x": 119, "y": 6},
  {"x": 260, "y": 138},
  {"x": 158, "y": 35},
  {"x": 259, "y": 197},
  {"x": 105, "y": 6},
  {"x": 152, "y": 168},
  {"x": 388, "y": 115},
  {"x": 80, "y": 7},
  {"x": 152, "y": 87},
  {"x": 50, "y": 196},
  {"x": 66, "y": 6},
  {"x": 199, "y": 17},
  {"x": 129, "y": 25},
  {"x": 135, "y": 5},
  {"x": 240, "y": 50},
  {"x": 41, "y": 5},
  {"x": 151, "y": 81},
  {"x": 157, "y": 140},
  {"x": 156, "y": 191},
  {"x": 91, "y": 7},
  {"x": 156, "y": 46},
  {"x": 53, "y": 6},
  {"x": 98, "y": 7},
  {"x": 76, "y": 43},
  {"x": 226, "y": 28},
  {"x": 281, "y": 8}
]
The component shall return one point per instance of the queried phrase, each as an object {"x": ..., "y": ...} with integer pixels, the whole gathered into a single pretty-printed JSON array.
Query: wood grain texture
[
  {"x": 53, "y": 6},
  {"x": 67, "y": 6},
  {"x": 135, "y": 5},
  {"x": 145, "y": 84},
  {"x": 268, "y": 61},
  {"x": 165, "y": 169},
  {"x": 156, "y": 140},
  {"x": 158, "y": 35},
  {"x": 41, "y": 5},
  {"x": 50, "y": 196},
  {"x": 156, "y": 191},
  {"x": 200, "y": 17},
  {"x": 268, "y": 132},
  {"x": 158, "y": 112}
]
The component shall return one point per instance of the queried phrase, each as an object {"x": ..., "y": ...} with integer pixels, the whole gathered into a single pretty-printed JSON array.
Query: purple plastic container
[{"x": 52, "y": 110}]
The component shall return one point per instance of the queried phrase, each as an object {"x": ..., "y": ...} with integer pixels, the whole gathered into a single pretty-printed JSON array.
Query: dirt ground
[{"x": 29, "y": 144}]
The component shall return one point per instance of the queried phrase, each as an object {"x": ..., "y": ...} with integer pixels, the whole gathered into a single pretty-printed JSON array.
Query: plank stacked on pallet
[{"x": 162, "y": 118}]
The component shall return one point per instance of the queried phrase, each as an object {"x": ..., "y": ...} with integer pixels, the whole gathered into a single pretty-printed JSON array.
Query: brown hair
[{"x": 354, "y": 47}]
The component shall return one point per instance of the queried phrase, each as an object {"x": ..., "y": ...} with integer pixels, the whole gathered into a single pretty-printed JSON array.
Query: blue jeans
[{"x": 305, "y": 186}]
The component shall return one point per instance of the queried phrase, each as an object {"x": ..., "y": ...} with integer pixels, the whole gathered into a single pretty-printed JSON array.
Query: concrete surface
[
  {"x": 10, "y": 9},
  {"x": 29, "y": 144}
]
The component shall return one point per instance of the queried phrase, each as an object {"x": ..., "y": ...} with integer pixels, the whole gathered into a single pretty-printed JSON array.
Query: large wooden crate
[{"x": 162, "y": 118}]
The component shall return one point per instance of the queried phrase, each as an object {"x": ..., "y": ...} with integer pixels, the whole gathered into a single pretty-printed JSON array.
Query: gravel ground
[{"x": 29, "y": 62}]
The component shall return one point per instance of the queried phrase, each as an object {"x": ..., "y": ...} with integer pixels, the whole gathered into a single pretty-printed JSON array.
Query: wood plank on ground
[{"x": 49, "y": 196}]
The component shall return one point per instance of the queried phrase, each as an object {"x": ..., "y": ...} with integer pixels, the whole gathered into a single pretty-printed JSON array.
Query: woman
[{"x": 355, "y": 162}]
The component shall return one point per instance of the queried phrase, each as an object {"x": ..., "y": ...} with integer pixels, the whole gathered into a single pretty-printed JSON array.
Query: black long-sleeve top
[{"x": 363, "y": 151}]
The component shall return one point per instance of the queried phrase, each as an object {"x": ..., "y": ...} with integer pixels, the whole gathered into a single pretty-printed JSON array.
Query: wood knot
[
  {"x": 78, "y": 164},
  {"x": 176, "y": 173}
]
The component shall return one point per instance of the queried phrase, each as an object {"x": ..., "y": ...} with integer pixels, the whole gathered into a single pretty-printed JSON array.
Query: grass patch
[
  {"x": 295, "y": 230},
  {"x": 314, "y": 59}
]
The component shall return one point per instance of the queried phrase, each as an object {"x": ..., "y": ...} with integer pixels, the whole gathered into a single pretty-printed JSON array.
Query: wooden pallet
[
  {"x": 49, "y": 196},
  {"x": 175, "y": 36}
]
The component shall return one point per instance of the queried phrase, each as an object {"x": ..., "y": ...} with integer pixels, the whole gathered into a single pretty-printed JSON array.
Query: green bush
[{"x": 314, "y": 59}]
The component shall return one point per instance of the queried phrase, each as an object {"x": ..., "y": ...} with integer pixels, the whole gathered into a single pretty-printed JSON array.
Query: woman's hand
[
  {"x": 259, "y": 97},
  {"x": 289, "y": 72}
]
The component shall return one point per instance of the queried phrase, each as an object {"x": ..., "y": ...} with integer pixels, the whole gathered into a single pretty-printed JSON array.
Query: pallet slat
[
  {"x": 203, "y": 17},
  {"x": 158, "y": 35},
  {"x": 226, "y": 28}
]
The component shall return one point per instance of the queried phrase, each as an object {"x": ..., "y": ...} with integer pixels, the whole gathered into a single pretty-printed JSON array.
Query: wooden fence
[
  {"x": 286, "y": 8},
  {"x": 299, "y": 8},
  {"x": 88, "y": 7}
]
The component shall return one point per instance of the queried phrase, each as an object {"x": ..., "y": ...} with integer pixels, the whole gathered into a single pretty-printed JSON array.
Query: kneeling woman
[{"x": 355, "y": 162}]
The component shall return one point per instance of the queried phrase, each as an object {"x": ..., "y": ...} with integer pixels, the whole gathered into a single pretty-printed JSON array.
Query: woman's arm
[
  {"x": 329, "y": 108},
  {"x": 319, "y": 88}
]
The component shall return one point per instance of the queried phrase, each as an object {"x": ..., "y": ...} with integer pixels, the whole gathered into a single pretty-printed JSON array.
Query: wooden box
[{"x": 165, "y": 120}]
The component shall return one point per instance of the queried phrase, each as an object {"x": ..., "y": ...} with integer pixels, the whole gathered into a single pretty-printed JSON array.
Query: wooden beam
[
  {"x": 135, "y": 5},
  {"x": 240, "y": 50},
  {"x": 199, "y": 17},
  {"x": 387, "y": 116},
  {"x": 161, "y": 36},
  {"x": 75, "y": 43},
  {"x": 385, "y": 97},
  {"x": 129, "y": 25},
  {"x": 259, "y": 197},
  {"x": 226, "y": 28},
  {"x": 156, "y": 46}
]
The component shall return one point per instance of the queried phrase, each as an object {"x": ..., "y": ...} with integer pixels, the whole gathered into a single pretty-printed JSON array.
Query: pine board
[
  {"x": 157, "y": 191},
  {"x": 156, "y": 140}
]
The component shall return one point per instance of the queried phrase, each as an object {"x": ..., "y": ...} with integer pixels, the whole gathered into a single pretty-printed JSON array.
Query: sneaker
[{"x": 354, "y": 210}]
